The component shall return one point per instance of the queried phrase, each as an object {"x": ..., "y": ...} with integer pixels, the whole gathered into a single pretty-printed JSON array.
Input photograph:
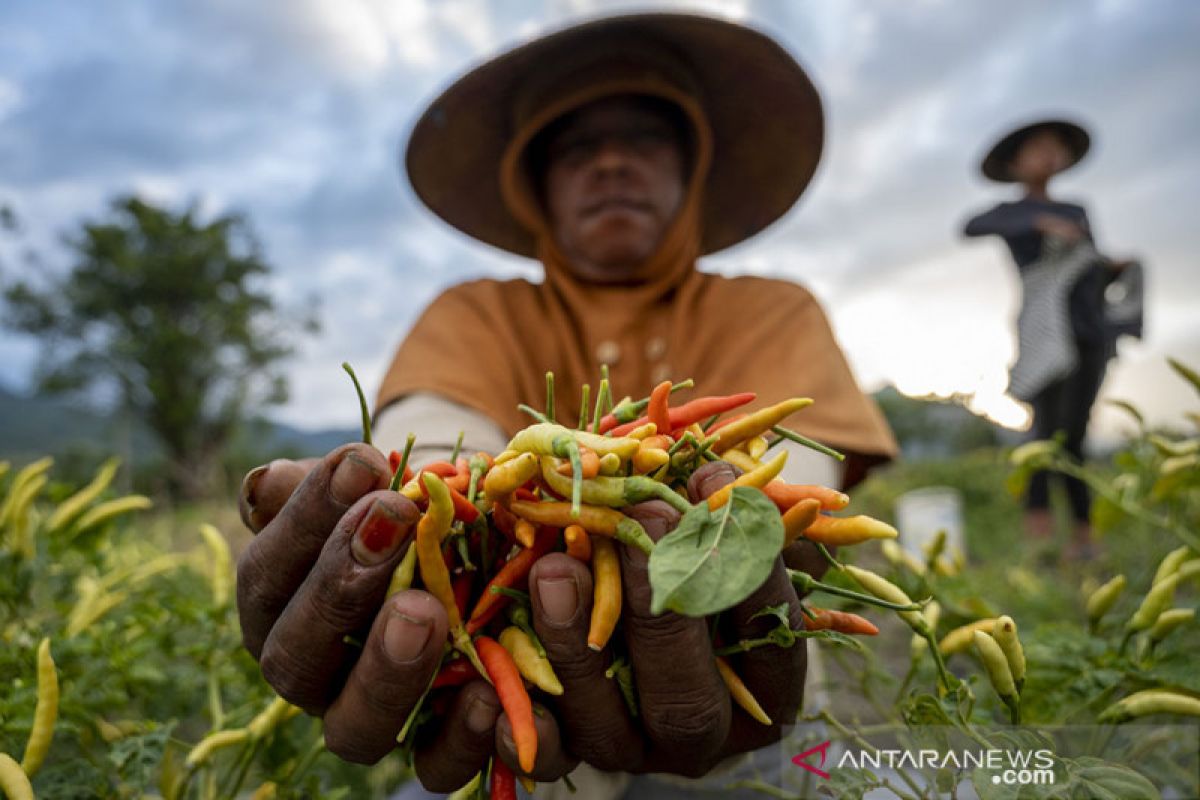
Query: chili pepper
[
  {"x": 1168, "y": 621},
  {"x": 504, "y": 478},
  {"x": 588, "y": 459},
  {"x": 996, "y": 665},
  {"x": 614, "y": 492},
  {"x": 103, "y": 512},
  {"x": 461, "y": 479},
  {"x": 651, "y": 454},
  {"x": 884, "y": 589},
  {"x": 1151, "y": 701},
  {"x": 1171, "y": 563},
  {"x": 757, "y": 423},
  {"x": 593, "y": 519},
  {"x": 278, "y": 711},
  {"x": 533, "y": 666},
  {"x": 462, "y": 592},
  {"x": 402, "y": 577},
  {"x": 1155, "y": 602},
  {"x": 504, "y": 781},
  {"x": 455, "y": 672},
  {"x": 401, "y": 472},
  {"x": 579, "y": 544},
  {"x": 786, "y": 495},
  {"x": 932, "y": 613},
  {"x": 610, "y": 464},
  {"x": 740, "y": 693},
  {"x": 961, "y": 637},
  {"x": 1005, "y": 634},
  {"x": 1102, "y": 600},
  {"x": 267, "y": 790},
  {"x": 432, "y": 528},
  {"x": 825, "y": 619},
  {"x": 202, "y": 752},
  {"x": 756, "y": 478},
  {"x": 524, "y": 531},
  {"x": 76, "y": 503},
  {"x": 718, "y": 424},
  {"x": 848, "y": 530},
  {"x": 658, "y": 411},
  {"x": 741, "y": 460},
  {"x": 14, "y": 783},
  {"x": 515, "y": 570},
  {"x": 606, "y": 593},
  {"x": 689, "y": 413},
  {"x": 18, "y": 488},
  {"x": 628, "y": 410},
  {"x": 505, "y": 521},
  {"x": 222, "y": 563},
  {"x": 798, "y": 518},
  {"x": 756, "y": 448},
  {"x": 513, "y": 698},
  {"x": 45, "y": 713},
  {"x": 554, "y": 440}
]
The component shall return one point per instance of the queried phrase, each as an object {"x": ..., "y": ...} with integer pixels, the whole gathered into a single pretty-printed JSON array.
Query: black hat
[{"x": 996, "y": 163}]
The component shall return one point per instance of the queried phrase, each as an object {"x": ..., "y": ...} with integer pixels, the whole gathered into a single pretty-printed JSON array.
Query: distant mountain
[{"x": 35, "y": 426}]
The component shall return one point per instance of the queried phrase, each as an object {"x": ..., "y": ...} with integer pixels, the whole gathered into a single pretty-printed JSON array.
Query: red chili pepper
[
  {"x": 516, "y": 569},
  {"x": 510, "y": 688},
  {"x": 504, "y": 781},
  {"x": 456, "y": 673},
  {"x": 443, "y": 469},
  {"x": 505, "y": 520},
  {"x": 394, "y": 459},
  {"x": 696, "y": 410},
  {"x": 462, "y": 592},
  {"x": 825, "y": 619},
  {"x": 721, "y": 423},
  {"x": 659, "y": 410},
  {"x": 463, "y": 509}
]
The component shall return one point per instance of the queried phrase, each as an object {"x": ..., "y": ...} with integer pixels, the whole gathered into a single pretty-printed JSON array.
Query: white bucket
[{"x": 921, "y": 513}]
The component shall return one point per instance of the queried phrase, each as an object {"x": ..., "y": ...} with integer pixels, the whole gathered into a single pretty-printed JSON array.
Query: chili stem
[
  {"x": 550, "y": 396},
  {"x": 601, "y": 393},
  {"x": 515, "y": 594},
  {"x": 412, "y": 715},
  {"x": 583, "y": 407},
  {"x": 457, "y": 447},
  {"x": 398, "y": 478},
  {"x": 362, "y": 403},
  {"x": 533, "y": 412},
  {"x": 785, "y": 433},
  {"x": 806, "y": 583},
  {"x": 824, "y": 551}
]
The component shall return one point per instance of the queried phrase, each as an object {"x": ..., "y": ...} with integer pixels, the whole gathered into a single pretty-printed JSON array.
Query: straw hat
[
  {"x": 996, "y": 163},
  {"x": 763, "y": 110}
]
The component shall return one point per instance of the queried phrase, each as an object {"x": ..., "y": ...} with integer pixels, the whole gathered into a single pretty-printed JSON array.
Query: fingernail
[
  {"x": 352, "y": 478},
  {"x": 481, "y": 716},
  {"x": 250, "y": 484},
  {"x": 378, "y": 535},
  {"x": 559, "y": 599},
  {"x": 406, "y": 637}
]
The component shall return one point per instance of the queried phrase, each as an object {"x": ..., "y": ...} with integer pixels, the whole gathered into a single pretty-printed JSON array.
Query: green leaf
[
  {"x": 137, "y": 758},
  {"x": 1097, "y": 779},
  {"x": 714, "y": 560}
]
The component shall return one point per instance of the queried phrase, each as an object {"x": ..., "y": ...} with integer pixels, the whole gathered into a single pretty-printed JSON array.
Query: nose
[{"x": 612, "y": 154}]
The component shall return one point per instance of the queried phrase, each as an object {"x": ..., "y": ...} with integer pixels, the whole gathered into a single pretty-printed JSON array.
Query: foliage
[{"x": 166, "y": 313}]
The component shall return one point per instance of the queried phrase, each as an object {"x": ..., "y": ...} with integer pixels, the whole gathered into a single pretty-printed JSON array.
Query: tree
[{"x": 166, "y": 315}]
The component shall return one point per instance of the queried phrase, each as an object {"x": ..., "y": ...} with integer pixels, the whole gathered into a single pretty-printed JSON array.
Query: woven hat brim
[
  {"x": 995, "y": 165},
  {"x": 765, "y": 113}
]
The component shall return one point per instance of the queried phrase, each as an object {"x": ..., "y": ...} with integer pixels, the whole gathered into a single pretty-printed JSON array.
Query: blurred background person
[{"x": 1066, "y": 328}]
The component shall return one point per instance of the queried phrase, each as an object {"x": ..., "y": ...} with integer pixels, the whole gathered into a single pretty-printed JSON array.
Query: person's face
[
  {"x": 613, "y": 182},
  {"x": 1041, "y": 156}
]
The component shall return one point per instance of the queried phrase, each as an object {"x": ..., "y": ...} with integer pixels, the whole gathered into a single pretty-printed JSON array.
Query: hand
[
  {"x": 1058, "y": 227},
  {"x": 687, "y": 723},
  {"x": 329, "y": 536}
]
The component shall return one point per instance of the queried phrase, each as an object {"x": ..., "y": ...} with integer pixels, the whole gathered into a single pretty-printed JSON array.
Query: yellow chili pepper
[
  {"x": 740, "y": 694},
  {"x": 14, "y": 783},
  {"x": 402, "y": 578},
  {"x": 504, "y": 478},
  {"x": 757, "y": 478},
  {"x": 651, "y": 454},
  {"x": 643, "y": 431},
  {"x": 16, "y": 489},
  {"x": 222, "y": 564},
  {"x": 594, "y": 519},
  {"x": 996, "y": 664},
  {"x": 45, "y": 712},
  {"x": 1171, "y": 563},
  {"x": 757, "y": 423},
  {"x": 886, "y": 590},
  {"x": 103, "y": 512},
  {"x": 610, "y": 464},
  {"x": 1155, "y": 602},
  {"x": 606, "y": 592},
  {"x": 76, "y": 503},
  {"x": 1168, "y": 621},
  {"x": 756, "y": 447},
  {"x": 741, "y": 459},
  {"x": 543, "y": 438},
  {"x": 960, "y": 638},
  {"x": 1005, "y": 634},
  {"x": 798, "y": 518},
  {"x": 1100, "y": 601},
  {"x": 1151, "y": 701},
  {"x": 202, "y": 752},
  {"x": 848, "y": 530},
  {"x": 918, "y": 645},
  {"x": 533, "y": 666},
  {"x": 279, "y": 710}
]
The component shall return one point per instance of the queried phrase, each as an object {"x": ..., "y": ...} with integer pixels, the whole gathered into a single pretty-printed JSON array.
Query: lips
[{"x": 608, "y": 204}]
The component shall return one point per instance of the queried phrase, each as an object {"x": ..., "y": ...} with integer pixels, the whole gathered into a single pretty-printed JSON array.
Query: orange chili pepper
[
  {"x": 594, "y": 519},
  {"x": 786, "y": 495},
  {"x": 606, "y": 593},
  {"x": 740, "y": 693},
  {"x": 825, "y": 619},
  {"x": 682, "y": 416},
  {"x": 579, "y": 544},
  {"x": 588, "y": 459},
  {"x": 463, "y": 508},
  {"x": 524, "y": 532},
  {"x": 798, "y": 518},
  {"x": 516, "y": 569},
  {"x": 757, "y": 478},
  {"x": 658, "y": 411},
  {"x": 510, "y": 688}
]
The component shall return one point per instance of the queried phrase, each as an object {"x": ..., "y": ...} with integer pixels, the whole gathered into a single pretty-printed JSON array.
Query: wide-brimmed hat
[
  {"x": 996, "y": 163},
  {"x": 764, "y": 113}
]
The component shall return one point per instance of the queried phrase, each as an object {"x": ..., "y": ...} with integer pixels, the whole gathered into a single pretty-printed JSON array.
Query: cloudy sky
[{"x": 294, "y": 111}]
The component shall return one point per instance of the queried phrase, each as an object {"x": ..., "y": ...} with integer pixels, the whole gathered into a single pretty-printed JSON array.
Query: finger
[
  {"x": 398, "y": 660},
  {"x": 592, "y": 714},
  {"x": 266, "y": 489},
  {"x": 552, "y": 762},
  {"x": 305, "y": 650},
  {"x": 709, "y": 478},
  {"x": 278, "y": 560},
  {"x": 464, "y": 743},
  {"x": 684, "y": 705}
]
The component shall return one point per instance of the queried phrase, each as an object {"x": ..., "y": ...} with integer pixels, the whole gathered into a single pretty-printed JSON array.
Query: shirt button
[
  {"x": 608, "y": 352},
  {"x": 656, "y": 348}
]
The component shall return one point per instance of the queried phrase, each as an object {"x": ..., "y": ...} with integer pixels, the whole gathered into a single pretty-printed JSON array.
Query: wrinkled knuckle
[
  {"x": 603, "y": 750},
  {"x": 339, "y": 602},
  {"x": 349, "y": 745},
  {"x": 695, "y": 722},
  {"x": 291, "y": 680}
]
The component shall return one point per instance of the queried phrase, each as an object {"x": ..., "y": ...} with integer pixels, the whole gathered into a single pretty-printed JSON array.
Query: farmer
[
  {"x": 1066, "y": 330},
  {"x": 615, "y": 153}
]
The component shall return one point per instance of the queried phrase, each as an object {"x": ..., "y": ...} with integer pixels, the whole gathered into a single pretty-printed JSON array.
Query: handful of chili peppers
[{"x": 487, "y": 519}]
